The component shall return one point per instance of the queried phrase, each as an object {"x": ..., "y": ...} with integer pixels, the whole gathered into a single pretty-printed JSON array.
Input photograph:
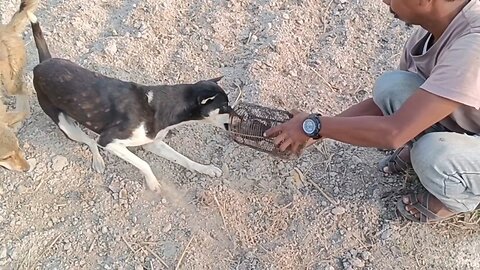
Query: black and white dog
[{"x": 123, "y": 113}]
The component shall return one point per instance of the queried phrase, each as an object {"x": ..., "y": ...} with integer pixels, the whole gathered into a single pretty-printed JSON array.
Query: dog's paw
[
  {"x": 98, "y": 165},
  {"x": 153, "y": 185},
  {"x": 210, "y": 170}
]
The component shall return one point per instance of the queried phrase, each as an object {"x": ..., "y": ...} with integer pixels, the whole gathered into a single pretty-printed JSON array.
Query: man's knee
[
  {"x": 393, "y": 88},
  {"x": 440, "y": 166}
]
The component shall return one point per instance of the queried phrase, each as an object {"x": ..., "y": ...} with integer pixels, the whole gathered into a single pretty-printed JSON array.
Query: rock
[
  {"x": 386, "y": 234},
  {"x": 104, "y": 230},
  {"x": 3, "y": 252},
  {"x": 357, "y": 263},
  {"x": 365, "y": 255},
  {"x": 138, "y": 267},
  {"x": 337, "y": 211},
  {"x": 123, "y": 194},
  {"x": 32, "y": 162},
  {"x": 167, "y": 228},
  {"x": 115, "y": 186},
  {"x": 205, "y": 48},
  {"x": 111, "y": 48},
  {"x": 59, "y": 162},
  {"x": 67, "y": 246}
]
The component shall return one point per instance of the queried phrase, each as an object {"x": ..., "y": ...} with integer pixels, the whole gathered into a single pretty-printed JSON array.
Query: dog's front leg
[
  {"x": 160, "y": 148},
  {"x": 122, "y": 152}
]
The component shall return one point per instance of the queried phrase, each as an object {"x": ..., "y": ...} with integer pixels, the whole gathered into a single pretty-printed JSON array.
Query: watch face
[{"x": 309, "y": 126}]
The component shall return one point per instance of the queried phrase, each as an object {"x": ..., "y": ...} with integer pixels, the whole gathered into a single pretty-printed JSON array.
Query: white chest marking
[
  {"x": 149, "y": 96},
  {"x": 138, "y": 137}
]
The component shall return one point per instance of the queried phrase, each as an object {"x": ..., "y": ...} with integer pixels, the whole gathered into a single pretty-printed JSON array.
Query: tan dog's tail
[
  {"x": 42, "y": 47},
  {"x": 21, "y": 18}
]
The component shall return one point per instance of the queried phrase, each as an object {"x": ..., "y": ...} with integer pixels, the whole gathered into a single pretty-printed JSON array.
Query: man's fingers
[
  {"x": 294, "y": 111},
  {"x": 273, "y": 131},
  {"x": 279, "y": 139},
  {"x": 285, "y": 144}
]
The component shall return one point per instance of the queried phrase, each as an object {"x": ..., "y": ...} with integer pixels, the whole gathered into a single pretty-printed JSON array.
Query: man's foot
[
  {"x": 423, "y": 208},
  {"x": 396, "y": 163}
]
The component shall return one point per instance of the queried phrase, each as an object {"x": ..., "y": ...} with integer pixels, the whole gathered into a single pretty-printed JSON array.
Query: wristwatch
[{"x": 312, "y": 126}]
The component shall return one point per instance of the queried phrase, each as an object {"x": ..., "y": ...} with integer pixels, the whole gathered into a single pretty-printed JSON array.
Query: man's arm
[
  {"x": 422, "y": 110},
  {"x": 366, "y": 107}
]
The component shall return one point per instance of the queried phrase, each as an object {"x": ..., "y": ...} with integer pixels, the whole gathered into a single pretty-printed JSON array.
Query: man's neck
[{"x": 442, "y": 15}]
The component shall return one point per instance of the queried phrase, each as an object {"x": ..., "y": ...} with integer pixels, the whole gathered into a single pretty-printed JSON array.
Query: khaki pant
[{"x": 447, "y": 163}]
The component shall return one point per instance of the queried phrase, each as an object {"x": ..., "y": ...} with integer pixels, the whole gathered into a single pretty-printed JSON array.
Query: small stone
[
  {"x": 3, "y": 252},
  {"x": 167, "y": 228},
  {"x": 205, "y": 48},
  {"x": 337, "y": 211},
  {"x": 386, "y": 234},
  {"x": 115, "y": 186},
  {"x": 67, "y": 246},
  {"x": 111, "y": 48},
  {"x": 59, "y": 162},
  {"x": 123, "y": 194},
  {"x": 365, "y": 255},
  {"x": 286, "y": 16},
  {"x": 21, "y": 189},
  {"x": 2, "y": 191},
  {"x": 357, "y": 262},
  {"x": 32, "y": 162},
  {"x": 104, "y": 230}
]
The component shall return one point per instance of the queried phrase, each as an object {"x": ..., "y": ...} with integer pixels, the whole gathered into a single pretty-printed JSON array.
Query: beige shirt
[{"x": 451, "y": 66}]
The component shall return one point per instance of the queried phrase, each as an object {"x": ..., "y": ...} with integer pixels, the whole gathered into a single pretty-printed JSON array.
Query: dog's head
[
  {"x": 11, "y": 156},
  {"x": 212, "y": 103}
]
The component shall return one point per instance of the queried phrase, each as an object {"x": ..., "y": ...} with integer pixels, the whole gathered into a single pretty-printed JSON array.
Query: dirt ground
[{"x": 315, "y": 55}]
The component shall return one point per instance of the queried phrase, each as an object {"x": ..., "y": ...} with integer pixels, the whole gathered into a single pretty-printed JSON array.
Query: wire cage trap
[{"x": 251, "y": 121}]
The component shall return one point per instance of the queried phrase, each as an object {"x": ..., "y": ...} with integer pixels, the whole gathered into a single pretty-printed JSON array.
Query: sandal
[
  {"x": 426, "y": 215},
  {"x": 394, "y": 164}
]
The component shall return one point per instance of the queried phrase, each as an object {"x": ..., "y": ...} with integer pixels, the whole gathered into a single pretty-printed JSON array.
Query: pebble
[
  {"x": 115, "y": 186},
  {"x": 167, "y": 228},
  {"x": 205, "y": 48},
  {"x": 104, "y": 230},
  {"x": 357, "y": 263},
  {"x": 32, "y": 162},
  {"x": 111, "y": 48},
  {"x": 3, "y": 252},
  {"x": 337, "y": 211},
  {"x": 365, "y": 255},
  {"x": 59, "y": 162}
]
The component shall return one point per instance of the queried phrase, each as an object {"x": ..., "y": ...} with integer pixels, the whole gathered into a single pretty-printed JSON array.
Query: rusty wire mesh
[{"x": 250, "y": 123}]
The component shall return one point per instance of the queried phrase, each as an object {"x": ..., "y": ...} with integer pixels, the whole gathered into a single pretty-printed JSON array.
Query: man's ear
[
  {"x": 202, "y": 100},
  {"x": 216, "y": 80}
]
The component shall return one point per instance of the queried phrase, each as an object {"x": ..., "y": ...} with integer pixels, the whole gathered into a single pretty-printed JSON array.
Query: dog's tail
[
  {"x": 42, "y": 47},
  {"x": 21, "y": 18}
]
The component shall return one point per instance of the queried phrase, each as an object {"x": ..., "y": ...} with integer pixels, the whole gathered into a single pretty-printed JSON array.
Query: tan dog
[
  {"x": 12, "y": 64},
  {"x": 11, "y": 156},
  {"x": 13, "y": 56}
]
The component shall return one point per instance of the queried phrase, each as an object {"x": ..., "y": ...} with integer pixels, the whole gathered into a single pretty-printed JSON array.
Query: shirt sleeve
[{"x": 456, "y": 76}]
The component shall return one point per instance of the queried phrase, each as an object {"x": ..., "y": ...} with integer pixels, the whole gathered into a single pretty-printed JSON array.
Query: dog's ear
[
  {"x": 216, "y": 80},
  {"x": 202, "y": 100}
]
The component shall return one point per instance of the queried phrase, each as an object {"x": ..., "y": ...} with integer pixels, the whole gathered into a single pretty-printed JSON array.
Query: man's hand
[{"x": 290, "y": 134}]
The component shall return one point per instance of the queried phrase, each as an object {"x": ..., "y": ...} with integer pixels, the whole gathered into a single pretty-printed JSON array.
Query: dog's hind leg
[
  {"x": 74, "y": 132},
  {"x": 122, "y": 152},
  {"x": 162, "y": 149}
]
